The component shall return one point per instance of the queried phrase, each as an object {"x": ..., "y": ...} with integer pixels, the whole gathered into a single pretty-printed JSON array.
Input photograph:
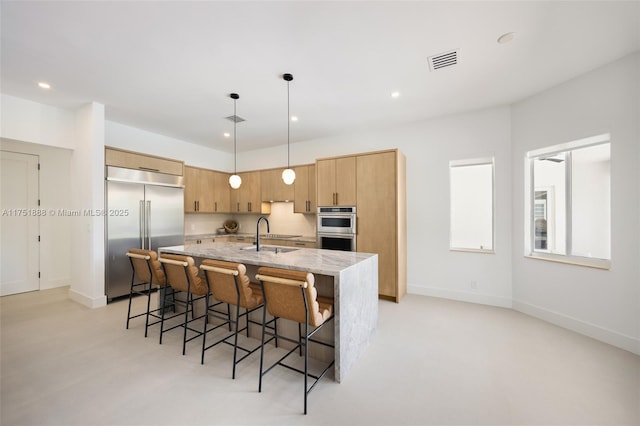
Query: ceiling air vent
[
  {"x": 443, "y": 60},
  {"x": 235, "y": 119}
]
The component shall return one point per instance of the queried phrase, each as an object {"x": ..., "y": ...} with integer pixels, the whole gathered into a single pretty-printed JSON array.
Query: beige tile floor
[{"x": 433, "y": 361}]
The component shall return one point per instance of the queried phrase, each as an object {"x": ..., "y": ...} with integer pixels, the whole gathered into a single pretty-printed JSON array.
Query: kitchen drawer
[
  {"x": 199, "y": 240},
  {"x": 303, "y": 244}
]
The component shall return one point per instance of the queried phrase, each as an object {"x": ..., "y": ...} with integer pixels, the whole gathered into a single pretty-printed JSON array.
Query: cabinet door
[
  {"x": 247, "y": 198},
  {"x": 221, "y": 202},
  {"x": 312, "y": 188},
  {"x": 377, "y": 211},
  {"x": 326, "y": 182},
  {"x": 305, "y": 189},
  {"x": 253, "y": 199},
  {"x": 191, "y": 177},
  {"x": 206, "y": 191},
  {"x": 268, "y": 183},
  {"x": 346, "y": 181},
  {"x": 301, "y": 190}
]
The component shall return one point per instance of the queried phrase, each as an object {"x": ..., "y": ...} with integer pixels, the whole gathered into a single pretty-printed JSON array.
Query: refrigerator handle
[
  {"x": 141, "y": 224},
  {"x": 148, "y": 227}
]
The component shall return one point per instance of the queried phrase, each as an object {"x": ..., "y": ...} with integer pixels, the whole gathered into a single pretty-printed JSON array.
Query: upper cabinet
[
  {"x": 205, "y": 191},
  {"x": 273, "y": 188},
  {"x": 304, "y": 195},
  {"x": 221, "y": 192},
  {"x": 248, "y": 198},
  {"x": 336, "y": 181},
  {"x": 148, "y": 163}
]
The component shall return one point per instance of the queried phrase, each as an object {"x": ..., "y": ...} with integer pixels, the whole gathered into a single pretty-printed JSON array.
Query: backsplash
[{"x": 282, "y": 220}]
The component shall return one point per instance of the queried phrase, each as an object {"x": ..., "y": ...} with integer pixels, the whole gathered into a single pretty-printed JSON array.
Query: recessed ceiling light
[
  {"x": 506, "y": 38},
  {"x": 226, "y": 135},
  {"x": 44, "y": 85},
  {"x": 395, "y": 94},
  {"x": 294, "y": 118}
]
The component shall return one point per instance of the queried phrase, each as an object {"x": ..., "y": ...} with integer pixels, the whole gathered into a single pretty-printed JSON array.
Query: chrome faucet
[{"x": 258, "y": 231}]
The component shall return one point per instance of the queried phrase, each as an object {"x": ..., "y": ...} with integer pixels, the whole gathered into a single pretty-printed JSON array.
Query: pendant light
[
  {"x": 288, "y": 175},
  {"x": 234, "y": 180}
]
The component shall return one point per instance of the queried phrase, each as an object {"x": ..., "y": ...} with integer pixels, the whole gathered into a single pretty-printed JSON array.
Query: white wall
[
  {"x": 429, "y": 146},
  {"x": 29, "y": 121},
  {"x": 126, "y": 137},
  {"x": 82, "y": 131},
  {"x": 55, "y": 180},
  {"x": 604, "y": 304}
]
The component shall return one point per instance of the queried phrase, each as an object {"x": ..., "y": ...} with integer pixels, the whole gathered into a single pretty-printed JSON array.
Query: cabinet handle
[
  {"x": 238, "y": 207},
  {"x": 249, "y": 206},
  {"x": 215, "y": 206}
]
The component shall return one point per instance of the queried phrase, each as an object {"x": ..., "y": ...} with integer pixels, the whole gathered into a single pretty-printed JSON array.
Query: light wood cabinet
[
  {"x": 381, "y": 226},
  {"x": 248, "y": 198},
  {"x": 205, "y": 191},
  {"x": 304, "y": 191},
  {"x": 273, "y": 188},
  {"x": 302, "y": 244},
  {"x": 148, "y": 163},
  {"x": 221, "y": 192},
  {"x": 336, "y": 181}
]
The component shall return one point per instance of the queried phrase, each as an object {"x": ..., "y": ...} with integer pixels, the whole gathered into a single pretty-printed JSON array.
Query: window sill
[
  {"x": 470, "y": 250},
  {"x": 572, "y": 260}
]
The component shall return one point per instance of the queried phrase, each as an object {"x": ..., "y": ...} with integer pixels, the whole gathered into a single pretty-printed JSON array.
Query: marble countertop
[{"x": 318, "y": 261}]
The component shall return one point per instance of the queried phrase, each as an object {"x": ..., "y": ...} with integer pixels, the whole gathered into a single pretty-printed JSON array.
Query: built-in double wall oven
[{"x": 337, "y": 228}]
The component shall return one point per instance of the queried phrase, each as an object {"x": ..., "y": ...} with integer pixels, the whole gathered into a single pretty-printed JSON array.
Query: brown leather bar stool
[
  {"x": 182, "y": 277},
  {"x": 147, "y": 272},
  {"x": 292, "y": 295},
  {"x": 228, "y": 282}
]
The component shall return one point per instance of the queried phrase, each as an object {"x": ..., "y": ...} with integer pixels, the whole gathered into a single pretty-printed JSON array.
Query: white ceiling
[{"x": 168, "y": 67}]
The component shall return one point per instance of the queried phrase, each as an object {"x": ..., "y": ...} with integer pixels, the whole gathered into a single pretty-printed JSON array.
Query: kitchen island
[{"x": 353, "y": 276}]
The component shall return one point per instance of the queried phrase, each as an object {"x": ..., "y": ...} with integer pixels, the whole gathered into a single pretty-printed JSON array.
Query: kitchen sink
[{"x": 274, "y": 249}]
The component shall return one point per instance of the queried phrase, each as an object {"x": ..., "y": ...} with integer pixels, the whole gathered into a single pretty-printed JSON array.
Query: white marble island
[{"x": 355, "y": 286}]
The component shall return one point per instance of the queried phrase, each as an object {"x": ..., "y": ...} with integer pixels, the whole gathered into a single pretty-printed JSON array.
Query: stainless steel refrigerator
[{"x": 144, "y": 210}]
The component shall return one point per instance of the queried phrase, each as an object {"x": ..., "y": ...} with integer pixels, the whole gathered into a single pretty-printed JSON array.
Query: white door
[{"x": 19, "y": 223}]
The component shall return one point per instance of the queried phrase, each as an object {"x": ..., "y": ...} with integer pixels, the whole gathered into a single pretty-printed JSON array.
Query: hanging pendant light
[
  {"x": 288, "y": 175},
  {"x": 234, "y": 180}
]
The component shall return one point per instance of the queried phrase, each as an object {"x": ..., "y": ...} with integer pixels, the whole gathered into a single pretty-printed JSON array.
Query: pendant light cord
[
  {"x": 288, "y": 126},
  {"x": 235, "y": 155}
]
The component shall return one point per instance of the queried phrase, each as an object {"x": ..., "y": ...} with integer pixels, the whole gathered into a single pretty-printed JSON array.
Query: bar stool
[
  {"x": 292, "y": 295},
  {"x": 228, "y": 283},
  {"x": 148, "y": 271},
  {"x": 182, "y": 276}
]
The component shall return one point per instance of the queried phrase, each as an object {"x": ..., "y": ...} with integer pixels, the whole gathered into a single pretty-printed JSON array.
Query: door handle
[
  {"x": 149, "y": 224},
  {"x": 142, "y": 224}
]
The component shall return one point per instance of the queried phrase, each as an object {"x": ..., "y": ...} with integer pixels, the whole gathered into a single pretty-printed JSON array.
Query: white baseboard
[
  {"x": 87, "y": 301},
  {"x": 594, "y": 331},
  {"x": 463, "y": 296},
  {"x": 59, "y": 282}
]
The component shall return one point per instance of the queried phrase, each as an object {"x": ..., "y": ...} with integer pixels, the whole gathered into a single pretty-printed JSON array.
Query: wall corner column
[{"x": 88, "y": 200}]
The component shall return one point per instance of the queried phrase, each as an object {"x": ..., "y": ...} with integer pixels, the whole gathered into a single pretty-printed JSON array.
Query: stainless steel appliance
[
  {"x": 144, "y": 210},
  {"x": 337, "y": 228}
]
